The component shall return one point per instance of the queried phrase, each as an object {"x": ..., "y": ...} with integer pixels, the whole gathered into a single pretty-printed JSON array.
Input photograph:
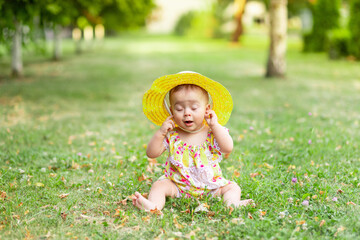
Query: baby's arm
[
  {"x": 221, "y": 134},
  {"x": 156, "y": 146}
]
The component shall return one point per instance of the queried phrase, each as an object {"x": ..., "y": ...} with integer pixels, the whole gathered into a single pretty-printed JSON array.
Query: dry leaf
[
  {"x": 62, "y": 196},
  {"x": 262, "y": 213},
  {"x": 63, "y": 216},
  {"x": 231, "y": 210},
  {"x": 186, "y": 211},
  {"x": 322, "y": 222},
  {"x": 39, "y": 184},
  {"x": 118, "y": 213},
  {"x": 211, "y": 214},
  {"x": 2, "y": 195},
  {"x": 348, "y": 203},
  {"x": 252, "y": 175},
  {"x": 268, "y": 166},
  {"x": 340, "y": 191},
  {"x": 300, "y": 222},
  {"x": 239, "y": 221},
  {"x": 156, "y": 211},
  {"x": 340, "y": 229},
  {"x": 202, "y": 208},
  {"x": 107, "y": 213},
  {"x": 236, "y": 173},
  {"x": 146, "y": 219},
  {"x": 152, "y": 162},
  {"x": 142, "y": 177},
  {"x": 250, "y": 216},
  {"x": 177, "y": 225}
]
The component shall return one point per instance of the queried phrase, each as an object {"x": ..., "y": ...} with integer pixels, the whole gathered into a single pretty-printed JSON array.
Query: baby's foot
[
  {"x": 246, "y": 202},
  {"x": 142, "y": 203}
]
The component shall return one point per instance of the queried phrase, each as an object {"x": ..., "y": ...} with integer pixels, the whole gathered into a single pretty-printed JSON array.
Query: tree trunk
[
  {"x": 276, "y": 65},
  {"x": 240, "y": 6},
  {"x": 57, "y": 42},
  {"x": 16, "y": 52}
]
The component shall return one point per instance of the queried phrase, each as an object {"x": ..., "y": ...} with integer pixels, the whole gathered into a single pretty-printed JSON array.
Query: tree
[
  {"x": 354, "y": 27},
  {"x": 57, "y": 14},
  {"x": 14, "y": 14},
  {"x": 276, "y": 64},
  {"x": 240, "y": 7}
]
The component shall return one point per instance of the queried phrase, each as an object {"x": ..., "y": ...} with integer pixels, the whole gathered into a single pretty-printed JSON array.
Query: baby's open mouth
[{"x": 188, "y": 123}]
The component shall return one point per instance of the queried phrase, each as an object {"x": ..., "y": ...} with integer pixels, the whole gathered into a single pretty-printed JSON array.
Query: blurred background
[{"x": 38, "y": 27}]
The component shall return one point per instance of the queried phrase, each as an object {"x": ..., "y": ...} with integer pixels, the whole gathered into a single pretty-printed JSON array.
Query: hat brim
[{"x": 153, "y": 100}]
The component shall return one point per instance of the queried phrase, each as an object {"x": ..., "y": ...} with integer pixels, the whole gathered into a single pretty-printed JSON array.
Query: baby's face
[{"x": 188, "y": 107}]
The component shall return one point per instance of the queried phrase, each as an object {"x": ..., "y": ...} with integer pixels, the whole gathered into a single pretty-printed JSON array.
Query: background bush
[
  {"x": 325, "y": 17},
  {"x": 354, "y": 26},
  {"x": 338, "y": 43}
]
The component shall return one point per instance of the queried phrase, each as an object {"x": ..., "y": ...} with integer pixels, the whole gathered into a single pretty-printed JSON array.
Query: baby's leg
[
  {"x": 157, "y": 196},
  {"x": 232, "y": 195}
]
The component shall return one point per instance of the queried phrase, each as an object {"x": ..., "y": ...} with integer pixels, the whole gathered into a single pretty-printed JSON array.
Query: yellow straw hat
[{"x": 154, "y": 105}]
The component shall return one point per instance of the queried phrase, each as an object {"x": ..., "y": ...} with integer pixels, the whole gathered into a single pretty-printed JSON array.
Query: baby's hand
[
  {"x": 211, "y": 118},
  {"x": 167, "y": 125}
]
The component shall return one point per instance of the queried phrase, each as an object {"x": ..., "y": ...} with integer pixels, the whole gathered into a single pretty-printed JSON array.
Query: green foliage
[
  {"x": 196, "y": 24},
  {"x": 325, "y": 17},
  {"x": 125, "y": 14},
  {"x": 184, "y": 23},
  {"x": 338, "y": 43},
  {"x": 354, "y": 27}
]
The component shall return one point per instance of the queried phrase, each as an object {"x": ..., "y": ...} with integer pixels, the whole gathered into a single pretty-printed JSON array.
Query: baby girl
[{"x": 191, "y": 110}]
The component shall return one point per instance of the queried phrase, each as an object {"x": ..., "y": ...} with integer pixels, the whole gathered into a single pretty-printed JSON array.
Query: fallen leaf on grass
[
  {"x": 46, "y": 206},
  {"x": 152, "y": 162},
  {"x": 63, "y": 216},
  {"x": 107, "y": 213},
  {"x": 322, "y": 222},
  {"x": 2, "y": 195},
  {"x": 176, "y": 223},
  {"x": 340, "y": 191},
  {"x": 340, "y": 229},
  {"x": 142, "y": 177},
  {"x": 39, "y": 184},
  {"x": 62, "y": 196},
  {"x": 250, "y": 216},
  {"x": 146, "y": 219},
  {"x": 300, "y": 222},
  {"x": 262, "y": 213},
  {"x": 186, "y": 211},
  {"x": 231, "y": 210},
  {"x": 236, "y": 173},
  {"x": 268, "y": 166},
  {"x": 351, "y": 203},
  {"x": 211, "y": 214},
  {"x": 202, "y": 208},
  {"x": 239, "y": 221},
  {"x": 156, "y": 211},
  {"x": 252, "y": 175}
]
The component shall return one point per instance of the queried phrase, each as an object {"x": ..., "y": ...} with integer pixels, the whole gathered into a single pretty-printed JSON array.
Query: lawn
[{"x": 73, "y": 139}]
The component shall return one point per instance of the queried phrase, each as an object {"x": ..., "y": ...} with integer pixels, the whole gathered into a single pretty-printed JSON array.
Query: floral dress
[{"x": 194, "y": 169}]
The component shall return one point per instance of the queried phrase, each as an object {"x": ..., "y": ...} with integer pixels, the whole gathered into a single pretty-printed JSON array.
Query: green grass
[{"x": 76, "y": 127}]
